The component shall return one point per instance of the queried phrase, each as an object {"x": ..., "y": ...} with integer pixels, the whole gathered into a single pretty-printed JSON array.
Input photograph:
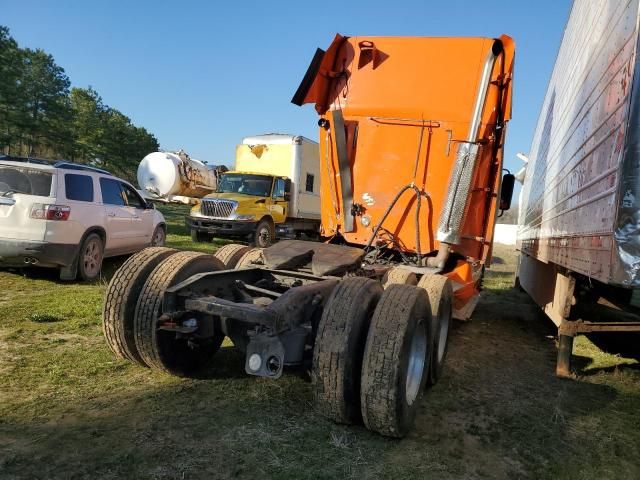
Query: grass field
[{"x": 69, "y": 409}]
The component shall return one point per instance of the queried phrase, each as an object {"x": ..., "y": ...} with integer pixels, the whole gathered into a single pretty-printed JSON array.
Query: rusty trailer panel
[{"x": 580, "y": 206}]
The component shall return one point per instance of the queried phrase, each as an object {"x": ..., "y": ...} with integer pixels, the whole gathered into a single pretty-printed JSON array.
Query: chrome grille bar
[{"x": 217, "y": 208}]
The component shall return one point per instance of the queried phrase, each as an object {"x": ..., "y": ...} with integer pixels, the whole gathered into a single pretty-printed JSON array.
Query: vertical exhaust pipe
[{"x": 462, "y": 175}]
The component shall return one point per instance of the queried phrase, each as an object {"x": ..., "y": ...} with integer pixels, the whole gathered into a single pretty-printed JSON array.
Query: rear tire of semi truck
[
  {"x": 440, "y": 293},
  {"x": 250, "y": 258},
  {"x": 400, "y": 276},
  {"x": 166, "y": 350},
  {"x": 121, "y": 298},
  {"x": 230, "y": 254},
  {"x": 339, "y": 346},
  {"x": 395, "y": 366}
]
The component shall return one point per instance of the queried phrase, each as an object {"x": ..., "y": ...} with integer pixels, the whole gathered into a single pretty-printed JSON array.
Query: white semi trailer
[{"x": 579, "y": 233}]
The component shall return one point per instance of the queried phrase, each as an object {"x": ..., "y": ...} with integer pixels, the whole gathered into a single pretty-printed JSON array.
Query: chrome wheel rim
[
  {"x": 417, "y": 361},
  {"x": 91, "y": 258}
]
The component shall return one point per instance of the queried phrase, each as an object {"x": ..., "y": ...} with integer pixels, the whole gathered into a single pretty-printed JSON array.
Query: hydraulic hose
[{"x": 388, "y": 211}]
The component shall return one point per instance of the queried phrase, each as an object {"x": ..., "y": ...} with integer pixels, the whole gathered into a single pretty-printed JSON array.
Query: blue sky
[{"x": 200, "y": 75}]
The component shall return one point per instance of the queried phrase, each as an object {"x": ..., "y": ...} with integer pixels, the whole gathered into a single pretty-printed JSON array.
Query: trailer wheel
[
  {"x": 265, "y": 233},
  {"x": 400, "y": 276},
  {"x": 165, "y": 350},
  {"x": 395, "y": 365},
  {"x": 337, "y": 356},
  {"x": 197, "y": 236},
  {"x": 121, "y": 297},
  {"x": 230, "y": 254},
  {"x": 440, "y": 293},
  {"x": 250, "y": 258}
]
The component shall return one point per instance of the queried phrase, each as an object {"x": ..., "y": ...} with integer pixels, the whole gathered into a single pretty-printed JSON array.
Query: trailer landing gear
[{"x": 570, "y": 328}]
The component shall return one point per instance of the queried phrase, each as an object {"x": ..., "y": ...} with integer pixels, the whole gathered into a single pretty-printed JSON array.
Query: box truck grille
[{"x": 217, "y": 208}]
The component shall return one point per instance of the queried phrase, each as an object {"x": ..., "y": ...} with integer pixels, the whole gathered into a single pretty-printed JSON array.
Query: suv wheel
[
  {"x": 90, "y": 257},
  {"x": 159, "y": 237}
]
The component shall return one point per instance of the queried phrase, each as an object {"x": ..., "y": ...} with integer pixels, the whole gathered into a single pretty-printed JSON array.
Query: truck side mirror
[
  {"x": 287, "y": 189},
  {"x": 506, "y": 191}
]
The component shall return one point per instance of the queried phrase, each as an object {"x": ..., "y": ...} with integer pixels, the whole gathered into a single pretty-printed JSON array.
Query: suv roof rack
[
  {"x": 64, "y": 164},
  {"x": 79, "y": 166},
  {"x": 39, "y": 161}
]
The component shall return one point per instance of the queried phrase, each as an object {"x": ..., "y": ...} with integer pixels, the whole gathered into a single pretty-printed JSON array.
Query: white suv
[{"x": 70, "y": 216}]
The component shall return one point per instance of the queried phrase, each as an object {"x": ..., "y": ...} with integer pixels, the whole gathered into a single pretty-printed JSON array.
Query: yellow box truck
[{"x": 272, "y": 192}]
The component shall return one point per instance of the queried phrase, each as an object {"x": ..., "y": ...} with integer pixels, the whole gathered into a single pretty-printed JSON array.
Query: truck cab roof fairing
[{"x": 314, "y": 87}]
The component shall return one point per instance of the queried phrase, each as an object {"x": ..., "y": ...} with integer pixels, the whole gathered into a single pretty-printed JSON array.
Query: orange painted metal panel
[{"x": 407, "y": 102}]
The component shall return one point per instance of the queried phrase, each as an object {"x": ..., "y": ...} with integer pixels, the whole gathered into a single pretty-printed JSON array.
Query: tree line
[{"x": 42, "y": 116}]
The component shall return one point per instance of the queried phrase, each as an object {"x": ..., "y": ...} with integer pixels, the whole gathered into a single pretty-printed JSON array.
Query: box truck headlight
[{"x": 245, "y": 217}]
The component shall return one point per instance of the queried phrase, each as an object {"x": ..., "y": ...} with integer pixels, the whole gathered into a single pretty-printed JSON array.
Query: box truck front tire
[{"x": 265, "y": 233}]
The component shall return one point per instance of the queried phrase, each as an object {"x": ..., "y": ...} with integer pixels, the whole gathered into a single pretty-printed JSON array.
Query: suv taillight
[{"x": 50, "y": 212}]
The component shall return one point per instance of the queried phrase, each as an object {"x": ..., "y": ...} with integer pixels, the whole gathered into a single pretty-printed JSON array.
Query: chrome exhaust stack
[{"x": 462, "y": 175}]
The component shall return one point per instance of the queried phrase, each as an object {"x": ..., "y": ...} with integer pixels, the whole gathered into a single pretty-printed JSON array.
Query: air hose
[{"x": 388, "y": 211}]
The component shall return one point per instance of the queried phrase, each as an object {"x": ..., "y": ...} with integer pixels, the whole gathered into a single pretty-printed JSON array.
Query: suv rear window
[
  {"x": 78, "y": 187},
  {"x": 30, "y": 181}
]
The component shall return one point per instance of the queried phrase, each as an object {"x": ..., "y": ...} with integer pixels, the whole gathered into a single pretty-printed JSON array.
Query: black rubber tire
[
  {"x": 386, "y": 408},
  {"x": 121, "y": 297},
  {"x": 160, "y": 349},
  {"x": 250, "y": 258},
  {"x": 337, "y": 354},
  {"x": 440, "y": 292},
  {"x": 83, "y": 269},
  {"x": 262, "y": 240},
  {"x": 399, "y": 276},
  {"x": 231, "y": 254},
  {"x": 197, "y": 236}
]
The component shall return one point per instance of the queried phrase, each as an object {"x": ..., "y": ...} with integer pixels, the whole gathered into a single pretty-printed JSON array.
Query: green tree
[
  {"x": 40, "y": 116},
  {"x": 44, "y": 88},
  {"x": 88, "y": 125},
  {"x": 11, "y": 71}
]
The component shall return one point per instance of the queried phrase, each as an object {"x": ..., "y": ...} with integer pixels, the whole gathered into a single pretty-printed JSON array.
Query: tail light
[{"x": 50, "y": 212}]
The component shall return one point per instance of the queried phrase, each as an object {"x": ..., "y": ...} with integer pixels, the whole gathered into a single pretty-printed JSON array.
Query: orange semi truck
[{"x": 411, "y": 134}]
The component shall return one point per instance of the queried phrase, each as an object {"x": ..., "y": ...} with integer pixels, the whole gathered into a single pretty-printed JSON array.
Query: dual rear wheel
[
  {"x": 133, "y": 304},
  {"x": 377, "y": 349},
  {"x": 374, "y": 352}
]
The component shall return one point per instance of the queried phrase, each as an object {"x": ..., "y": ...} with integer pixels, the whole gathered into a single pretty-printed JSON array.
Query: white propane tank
[{"x": 163, "y": 175}]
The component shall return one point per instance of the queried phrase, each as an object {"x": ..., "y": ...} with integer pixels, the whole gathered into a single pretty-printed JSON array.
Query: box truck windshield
[{"x": 259, "y": 185}]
